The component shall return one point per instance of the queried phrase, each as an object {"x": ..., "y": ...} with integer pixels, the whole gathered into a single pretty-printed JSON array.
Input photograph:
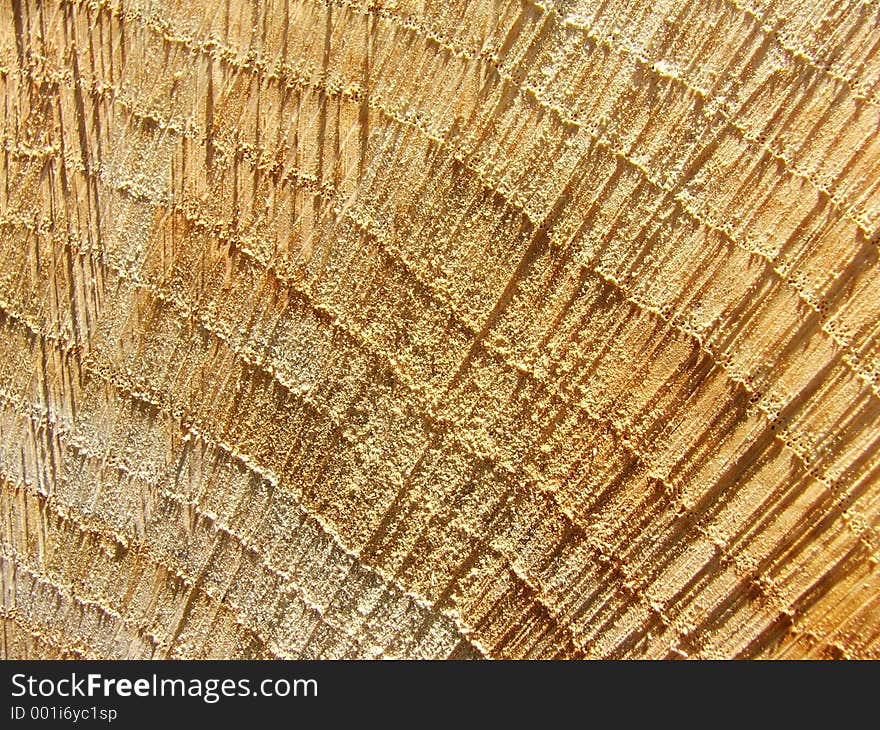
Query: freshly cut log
[{"x": 434, "y": 328}]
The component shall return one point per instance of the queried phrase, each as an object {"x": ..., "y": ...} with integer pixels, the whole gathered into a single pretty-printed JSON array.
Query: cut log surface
[{"x": 440, "y": 329}]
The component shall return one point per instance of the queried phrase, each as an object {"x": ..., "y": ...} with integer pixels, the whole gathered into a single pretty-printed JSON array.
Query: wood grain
[{"x": 485, "y": 328}]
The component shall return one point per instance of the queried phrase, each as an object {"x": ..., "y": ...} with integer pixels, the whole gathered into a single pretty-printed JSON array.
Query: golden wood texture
[{"x": 440, "y": 329}]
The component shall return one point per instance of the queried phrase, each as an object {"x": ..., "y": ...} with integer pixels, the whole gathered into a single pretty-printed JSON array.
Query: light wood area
[{"x": 440, "y": 329}]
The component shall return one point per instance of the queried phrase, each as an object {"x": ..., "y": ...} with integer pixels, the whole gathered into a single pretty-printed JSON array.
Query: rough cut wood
[{"x": 440, "y": 329}]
